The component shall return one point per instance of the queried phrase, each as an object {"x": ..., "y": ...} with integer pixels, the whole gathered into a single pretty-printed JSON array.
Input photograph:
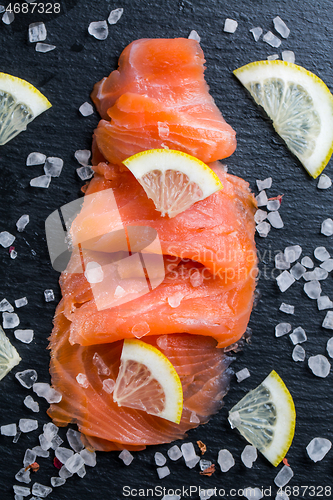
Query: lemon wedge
[
  {"x": 148, "y": 381},
  {"x": 20, "y": 103},
  {"x": 300, "y": 106},
  {"x": 9, "y": 356},
  {"x": 266, "y": 418},
  {"x": 172, "y": 179}
]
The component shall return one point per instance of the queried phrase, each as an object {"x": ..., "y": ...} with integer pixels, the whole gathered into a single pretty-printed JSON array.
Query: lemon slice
[
  {"x": 266, "y": 418},
  {"x": 20, "y": 103},
  {"x": 148, "y": 381},
  {"x": 300, "y": 105},
  {"x": 172, "y": 179},
  {"x": 9, "y": 356}
]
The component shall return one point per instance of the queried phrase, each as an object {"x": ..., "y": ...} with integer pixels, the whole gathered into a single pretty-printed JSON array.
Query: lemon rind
[
  {"x": 323, "y": 103},
  {"x": 162, "y": 370},
  {"x": 24, "y": 93}
]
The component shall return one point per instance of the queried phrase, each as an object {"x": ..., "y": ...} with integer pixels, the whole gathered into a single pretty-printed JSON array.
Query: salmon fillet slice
[{"x": 203, "y": 371}]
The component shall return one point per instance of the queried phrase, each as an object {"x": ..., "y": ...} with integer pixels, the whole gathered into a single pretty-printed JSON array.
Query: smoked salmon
[{"x": 157, "y": 98}]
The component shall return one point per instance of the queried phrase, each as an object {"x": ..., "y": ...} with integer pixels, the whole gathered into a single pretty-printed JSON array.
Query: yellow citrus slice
[
  {"x": 148, "y": 381},
  {"x": 172, "y": 179},
  {"x": 20, "y": 103},
  {"x": 300, "y": 106},
  {"x": 266, "y": 418},
  {"x": 9, "y": 356}
]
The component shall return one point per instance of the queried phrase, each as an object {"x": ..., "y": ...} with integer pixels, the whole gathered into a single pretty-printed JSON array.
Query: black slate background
[{"x": 66, "y": 76}]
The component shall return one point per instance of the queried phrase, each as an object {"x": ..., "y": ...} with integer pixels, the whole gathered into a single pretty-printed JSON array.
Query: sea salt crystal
[
  {"x": 64, "y": 473},
  {"x": 171, "y": 497},
  {"x": 252, "y": 493},
  {"x": 307, "y": 262},
  {"x": 324, "y": 182},
  {"x": 256, "y": 32},
  {"x": 23, "y": 476},
  {"x": 8, "y": 18},
  {"x": 260, "y": 216},
  {"x": 271, "y": 39},
  {"x": 312, "y": 289},
  {"x": 24, "y": 336},
  {"x": 160, "y": 459},
  {"x": 281, "y": 262},
  {"x": 49, "y": 295},
  {"x": 108, "y": 385},
  {"x": 297, "y": 271},
  {"x": 40, "y": 490},
  {"x": 327, "y": 265},
  {"x": 28, "y": 425},
  {"x": 263, "y": 229},
  {"x": 206, "y": 494},
  {"x": 204, "y": 464},
  {"x": 194, "y": 419},
  {"x": 319, "y": 365},
  {"x": 85, "y": 173},
  {"x": 21, "y": 490},
  {"x": 281, "y": 27},
  {"x": 262, "y": 198},
  {"x": 282, "y": 329},
  {"x": 298, "y": 353},
  {"x": 50, "y": 430},
  {"x": 8, "y": 430},
  {"x": 196, "y": 278},
  {"x": 35, "y": 159},
  {"x": 74, "y": 440},
  {"x": 82, "y": 380},
  {"x": 57, "y": 481},
  {"x": 74, "y": 463},
  {"x": 40, "y": 452},
  {"x": 283, "y": 477},
  {"x": 273, "y": 57},
  {"x": 265, "y": 184},
  {"x": 329, "y": 347},
  {"x": 63, "y": 454},
  {"x": 29, "y": 457},
  {"x": 188, "y": 451},
  {"x": 174, "y": 453},
  {"x": 298, "y": 336},
  {"x": 44, "y": 443},
  {"x": 320, "y": 273},
  {"x": 21, "y": 302},
  {"x": 287, "y": 308},
  {"x": 225, "y": 460},
  {"x": 37, "y": 32},
  {"x": 324, "y": 302},
  {"x": 141, "y": 329},
  {"x": 17, "y": 436},
  {"x": 44, "y": 47},
  {"x": 234, "y": 419},
  {"x": 56, "y": 442},
  {"x": 44, "y": 390},
  {"x": 43, "y": 181},
  {"x": 115, "y": 15},
  {"x": 31, "y": 404},
  {"x": 83, "y": 156},
  {"x": 175, "y": 299},
  {"x": 292, "y": 253},
  {"x": 6, "y": 306},
  {"x": 99, "y": 30},
  {"x": 22, "y": 222},
  {"x": 89, "y": 457},
  {"x": 249, "y": 455},
  {"x": 6, "y": 239},
  {"x": 285, "y": 280},
  {"x": 321, "y": 254},
  {"x": 53, "y": 166},
  {"x": 82, "y": 471},
  {"x": 242, "y": 375},
  {"x": 289, "y": 56},
  {"x": 318, "y": 448},
  {"x": 194, "y": 36},
  {"x": 10, "y": 320},
  {"x": 126, "y": 457},
  {"x": 273, "y": 205},
  {"x": 27, "y": 378},
  {"x": 327, "y": 227},
  {"x": 13, "y": 254},
  {"x": 328, "y": 321},
  {"x": 230, "y": 25},
  {"x": 163, "y": 471},
  {"x": 86, "y": 109},
  {"x": 275, "y": 219}
]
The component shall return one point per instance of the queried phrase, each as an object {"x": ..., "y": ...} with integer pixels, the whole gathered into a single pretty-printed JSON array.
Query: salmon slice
[
  {"x": 214, "y": 238},
  {"x": 202, "y": 368},
  {"x": 157, "y": 98}
]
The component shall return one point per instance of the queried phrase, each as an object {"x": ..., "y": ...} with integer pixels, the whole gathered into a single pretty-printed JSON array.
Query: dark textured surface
[{"x": 66, "y": 77}]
